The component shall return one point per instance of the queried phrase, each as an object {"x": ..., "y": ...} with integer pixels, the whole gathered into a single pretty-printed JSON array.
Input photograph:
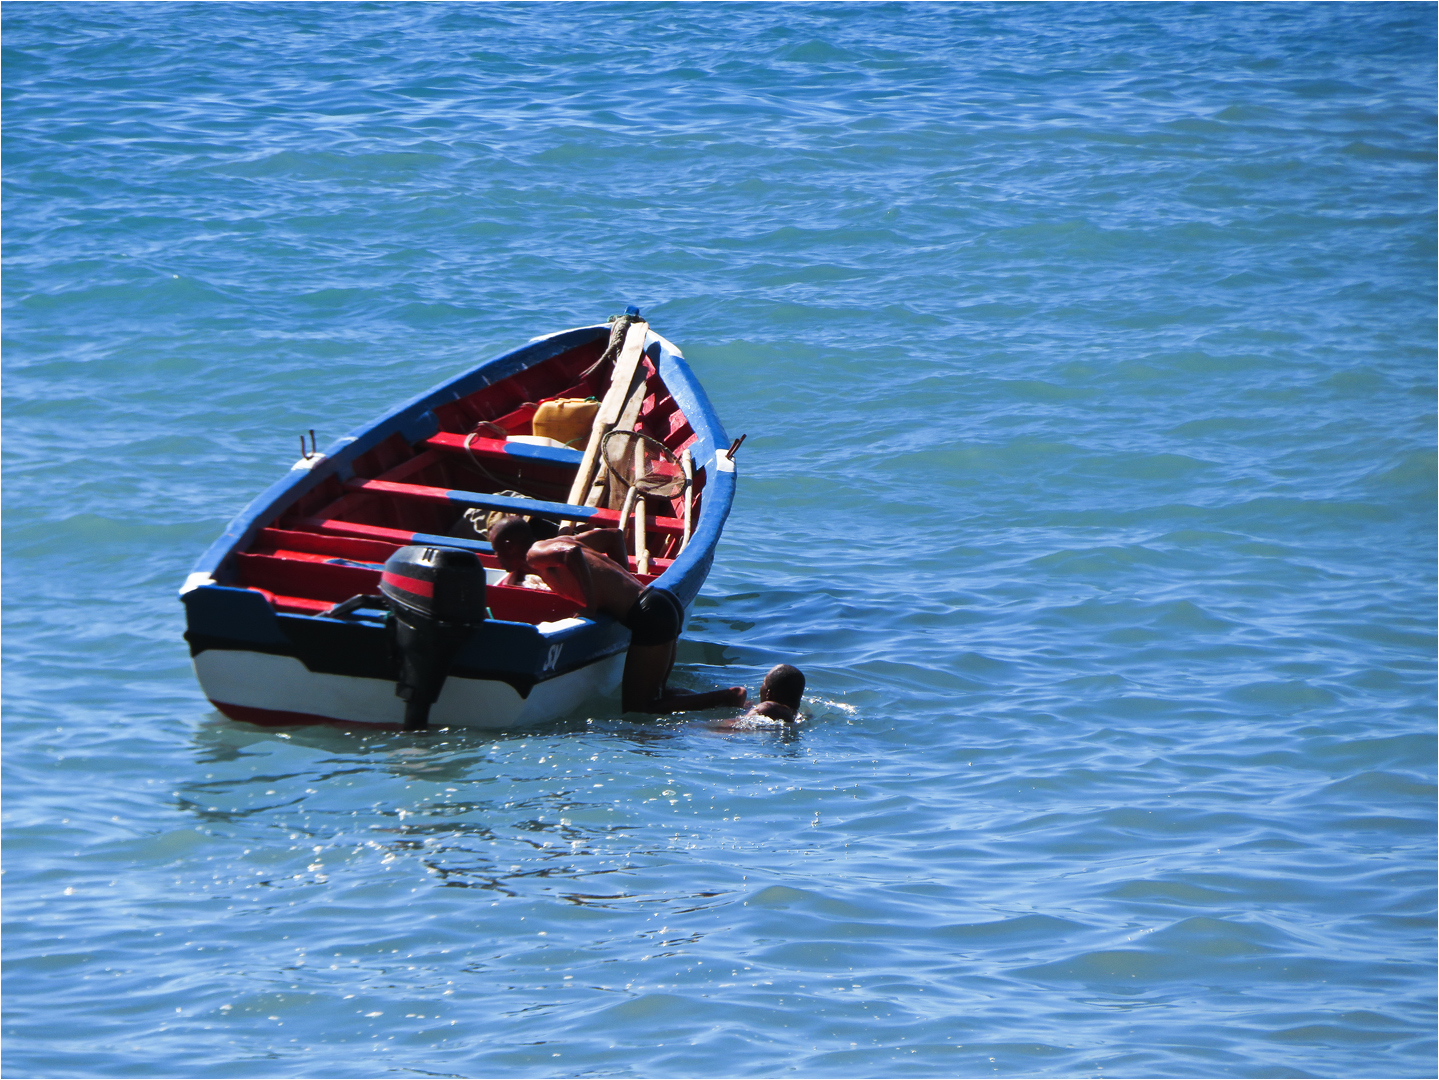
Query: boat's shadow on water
[
  {"x": 582, "y": 796},
  {"x": 219, "y": 739}
]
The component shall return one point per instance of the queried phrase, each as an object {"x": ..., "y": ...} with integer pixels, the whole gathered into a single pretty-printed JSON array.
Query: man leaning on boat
[{"x": 584, "y": 568}]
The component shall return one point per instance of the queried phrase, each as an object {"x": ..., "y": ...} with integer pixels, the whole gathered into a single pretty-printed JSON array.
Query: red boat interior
[{"x": 331, "y": 543}]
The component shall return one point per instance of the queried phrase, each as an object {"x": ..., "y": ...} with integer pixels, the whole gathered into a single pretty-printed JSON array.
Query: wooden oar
[
  {"x": 628, "y": 416},
  {"x": 688, "y": 462},
  {"x": 625, "y": 511},
  {"x": 642, "y": 547},
  {"x": 621, "y": 384}
]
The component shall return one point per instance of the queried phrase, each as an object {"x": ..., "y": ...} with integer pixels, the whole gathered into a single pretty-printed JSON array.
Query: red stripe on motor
[{"x": 409, "y": 584}]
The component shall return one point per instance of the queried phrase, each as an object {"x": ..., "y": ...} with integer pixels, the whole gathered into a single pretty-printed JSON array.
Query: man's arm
[
  {"x": 645, "y": 687},
  {"x": 774, "y": 710},
  {"x": 769, "y": 710},
  {"x": 609, "y": 542}
]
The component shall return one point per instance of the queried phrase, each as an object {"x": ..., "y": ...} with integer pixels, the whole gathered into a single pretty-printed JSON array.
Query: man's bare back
[
  {"x": 573, "y": 567},
  {"x": 578, "y": 572}
]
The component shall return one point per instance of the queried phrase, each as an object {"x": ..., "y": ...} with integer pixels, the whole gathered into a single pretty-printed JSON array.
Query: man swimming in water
[
  {"x": 779, "y": 698},
  {"x": 780, "y": 693},
  {"x": 588, "y": 570}
]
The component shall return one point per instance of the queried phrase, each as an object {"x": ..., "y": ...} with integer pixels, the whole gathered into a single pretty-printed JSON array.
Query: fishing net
[{"x": 643, "y": 463}]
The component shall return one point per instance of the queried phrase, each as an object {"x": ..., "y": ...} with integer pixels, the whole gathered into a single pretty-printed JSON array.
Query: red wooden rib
[
  {"x": 505, "y": 603},
  {"x": 319, "y": 581},
  {"x": 299, "y": 556},
  {"x": 398, "y": 537},
  {"x": 325, "y": 546},
  {"x": 479, "y": 446},
  {"x": 298, "y": 605},
  {"x": 518, "y": 604},
  {"x": 406, "y": 469},
  {"x": 337, "y": 529}
]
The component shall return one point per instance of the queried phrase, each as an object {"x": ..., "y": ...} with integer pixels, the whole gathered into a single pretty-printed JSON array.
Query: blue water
[{"x": 1087, "y": 358}]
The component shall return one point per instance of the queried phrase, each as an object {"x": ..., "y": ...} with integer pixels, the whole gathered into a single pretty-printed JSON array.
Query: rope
[
  {"x": 503, "y": 434},
  {"x": 621, "y": 324}
]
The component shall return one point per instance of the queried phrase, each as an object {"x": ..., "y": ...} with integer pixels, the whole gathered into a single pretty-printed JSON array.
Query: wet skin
[{"x": 573, "y": 567}]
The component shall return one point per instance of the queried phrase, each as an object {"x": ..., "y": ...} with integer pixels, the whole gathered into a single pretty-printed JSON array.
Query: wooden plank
[
  {"x": 500, "y": 450},
  {"x": 642, "y": 544},
  {"x": 406, "y": 469},
  {"x": 310, "y": 580},
  {"x": 625, "y": 509},
  {"x": 327, "y": 546},
  {"x": 513, "y": 603},
  {"x": 688, "y": 462},
  {"x": 333, "y": 528},
  {"x": 621, "y": 384},
  {"x": 400, "y": 537},
  {"x": 565, "y": 511},
  {"x": 294, "y": 605},
  {"x": 628, "y": 417},
  {"x": 295, "y": 555}
]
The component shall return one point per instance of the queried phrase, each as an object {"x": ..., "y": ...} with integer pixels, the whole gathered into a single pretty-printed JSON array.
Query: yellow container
[{"x": 567, "y": 419}]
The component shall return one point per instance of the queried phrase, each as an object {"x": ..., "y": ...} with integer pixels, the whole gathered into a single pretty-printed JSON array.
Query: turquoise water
[{"x": 1086, "y": 356}]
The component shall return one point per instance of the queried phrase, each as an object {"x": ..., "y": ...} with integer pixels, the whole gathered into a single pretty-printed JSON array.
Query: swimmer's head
[
  {"x": 511, "y": 538},
  {"x": 784, "y": 685}
]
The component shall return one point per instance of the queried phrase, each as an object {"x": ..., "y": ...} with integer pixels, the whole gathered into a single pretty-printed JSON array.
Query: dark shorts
[{"x": 656, "y": 618}]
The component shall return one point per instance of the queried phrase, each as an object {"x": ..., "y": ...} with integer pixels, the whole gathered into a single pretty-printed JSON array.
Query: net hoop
[{"x": 660, "y": 472}]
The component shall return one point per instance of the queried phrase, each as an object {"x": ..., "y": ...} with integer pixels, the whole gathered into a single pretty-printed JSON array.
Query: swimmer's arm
[{"x": 772, "y": 709}]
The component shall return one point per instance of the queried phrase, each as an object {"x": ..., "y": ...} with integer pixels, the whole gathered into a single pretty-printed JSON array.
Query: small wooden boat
[{"x": 308, "y": 608}]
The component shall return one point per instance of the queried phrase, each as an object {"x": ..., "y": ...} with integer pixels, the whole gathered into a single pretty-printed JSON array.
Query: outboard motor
[{"x": 437, "y": 599}]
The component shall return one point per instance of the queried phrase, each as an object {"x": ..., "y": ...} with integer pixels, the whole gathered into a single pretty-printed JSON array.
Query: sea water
[{"x": 1086, "y": 358}]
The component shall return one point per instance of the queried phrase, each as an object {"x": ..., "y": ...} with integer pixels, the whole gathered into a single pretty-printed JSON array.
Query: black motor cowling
[{"x": 437, "y": 599}]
